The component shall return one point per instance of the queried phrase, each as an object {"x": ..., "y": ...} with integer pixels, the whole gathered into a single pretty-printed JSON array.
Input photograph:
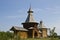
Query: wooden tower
[
  {"x": 43, "y": 30},
  {"x": 31, "y": 25},
  {"x": 30, "y": 20}
]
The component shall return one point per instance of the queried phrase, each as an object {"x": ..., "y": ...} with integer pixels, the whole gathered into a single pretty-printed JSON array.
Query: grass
[{"x": 38, "y": 39}]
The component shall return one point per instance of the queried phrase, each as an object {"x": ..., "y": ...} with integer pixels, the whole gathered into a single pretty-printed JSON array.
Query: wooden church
[{"x": 30, "y": 28}]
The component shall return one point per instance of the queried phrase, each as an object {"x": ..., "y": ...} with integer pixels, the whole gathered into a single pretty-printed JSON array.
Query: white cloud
[
  {"x": 54, "y": 20},
  {"x": 54, "y": 10},
  {"x": 13, "y": 16},
  {"x": 52, "y": 15}
]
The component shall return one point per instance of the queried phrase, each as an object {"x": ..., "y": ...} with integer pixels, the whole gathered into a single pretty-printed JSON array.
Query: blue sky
[{"x": 14, "y": 12}]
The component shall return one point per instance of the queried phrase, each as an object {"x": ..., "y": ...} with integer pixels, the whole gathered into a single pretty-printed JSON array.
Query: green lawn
[{"x": 38, "y": 39}]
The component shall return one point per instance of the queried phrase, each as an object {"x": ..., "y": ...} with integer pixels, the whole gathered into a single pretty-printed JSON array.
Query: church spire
[
  {"x": 41, "y": 24},
  {"x": 30, "y": 17},
  {"x": 30, "y": 10}
]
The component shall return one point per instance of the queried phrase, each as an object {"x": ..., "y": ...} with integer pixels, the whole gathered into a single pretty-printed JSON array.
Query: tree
[
  {"x": 53, "y": 34},
  {"x": 6, "y": 35}
]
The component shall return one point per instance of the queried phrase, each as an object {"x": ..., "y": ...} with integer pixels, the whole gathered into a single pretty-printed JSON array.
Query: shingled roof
[
  {"x": 30, "y": 17},
  {"x": 42, "y": 25},
  {"x": 18, "y": 28},
  {"x": 31, "y": 28}
]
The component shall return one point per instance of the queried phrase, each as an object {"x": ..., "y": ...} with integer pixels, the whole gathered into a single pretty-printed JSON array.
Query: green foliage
[
  {"x": 53, "y": 34},
  {"x": 10, "y": 36},
  {"x": 38, "y": 39},
  {"x": 5, "y": 35}
]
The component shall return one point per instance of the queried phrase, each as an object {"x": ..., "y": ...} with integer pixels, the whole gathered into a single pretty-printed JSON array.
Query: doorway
[{"x": 35, "y": 35}]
